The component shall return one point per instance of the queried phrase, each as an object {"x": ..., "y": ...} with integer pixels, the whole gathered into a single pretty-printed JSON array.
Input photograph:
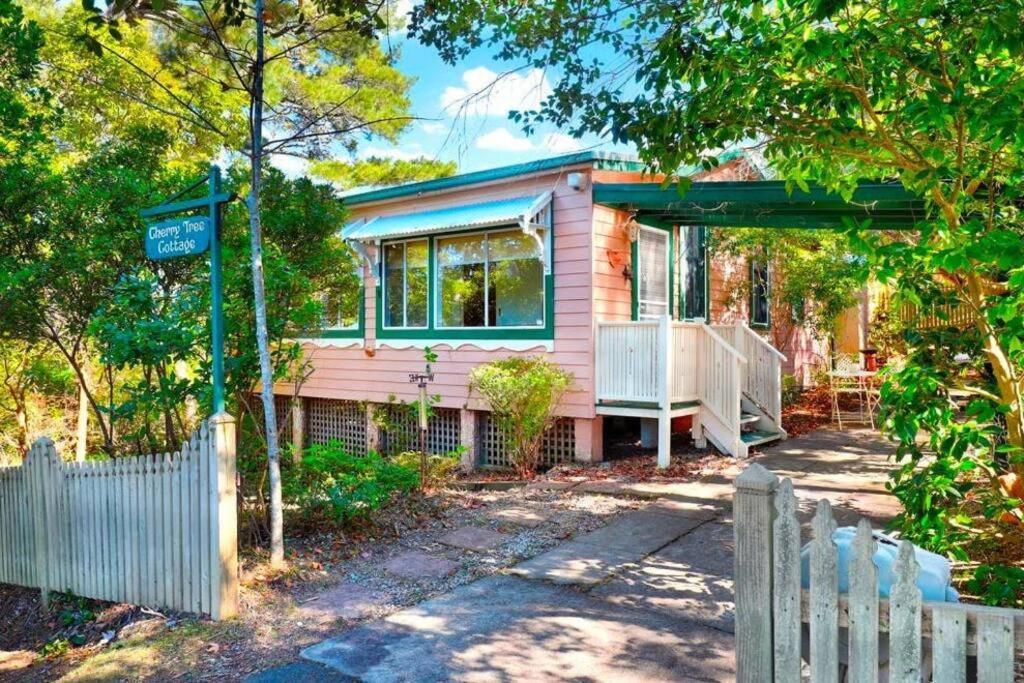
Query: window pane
[
  {"x": 341, "y": 308},
  {"x": 460, "y": 262},
  {"x": 393, "y": 279},
  {"x": 695, "y": 300},
  {"x": 416, "y": 256},
  {"x": 759, "y": 293},
  {"x": 516, "y": 281}
]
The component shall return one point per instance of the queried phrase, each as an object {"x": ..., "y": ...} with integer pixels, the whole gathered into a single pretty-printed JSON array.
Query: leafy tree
[
  {"x": 378, "y": 171},
  {"x": 316, "y": 79},
  {"x": 814, "y": 276},
  {"x": 926, "y": 93},
  {"x": 22, "y": 100}
]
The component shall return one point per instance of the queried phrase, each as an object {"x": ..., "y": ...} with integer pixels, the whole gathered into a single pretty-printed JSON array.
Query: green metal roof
[
  {"x": 764, "y": 203},
  {"x": 604, "y": 160},
  {"x": 481, "y": 215}
]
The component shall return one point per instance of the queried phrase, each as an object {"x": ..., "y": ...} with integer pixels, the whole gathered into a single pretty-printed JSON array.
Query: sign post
[{"x": 194, "y": 234}]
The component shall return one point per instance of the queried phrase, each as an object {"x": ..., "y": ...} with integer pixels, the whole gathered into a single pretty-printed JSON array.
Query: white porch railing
[
  {"x": 762, "y": 379},
  {"x": 635, "y": 359},
  {"x": 658, "y": 363},
  {"x": 762, "y": 382}
]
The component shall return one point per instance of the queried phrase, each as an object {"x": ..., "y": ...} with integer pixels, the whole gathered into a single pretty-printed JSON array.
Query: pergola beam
[{"x": 764, "y": 203}]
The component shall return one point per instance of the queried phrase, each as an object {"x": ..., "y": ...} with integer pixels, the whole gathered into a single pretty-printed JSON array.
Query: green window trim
[
  {"x": 433, "y": 332},
  {"x": 635, "y": 280}
]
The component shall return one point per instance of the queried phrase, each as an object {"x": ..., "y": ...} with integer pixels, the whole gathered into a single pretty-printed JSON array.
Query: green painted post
[{"x": 216, "y": 294}]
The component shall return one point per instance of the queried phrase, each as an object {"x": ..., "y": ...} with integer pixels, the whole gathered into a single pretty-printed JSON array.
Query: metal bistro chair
[{"x": 848, "y": 379}]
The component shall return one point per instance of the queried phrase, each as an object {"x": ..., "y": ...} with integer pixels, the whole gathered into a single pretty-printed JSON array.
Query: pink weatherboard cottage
[{"x": 547, "y": 257}]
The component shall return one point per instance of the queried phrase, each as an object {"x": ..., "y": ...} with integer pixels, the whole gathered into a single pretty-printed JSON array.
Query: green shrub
[
  {"x": 440, "y": 468},
  {"x": 332, "y": 485},
  {"x": 523, "y": 394},
  {"x": 998, "y": 585}
]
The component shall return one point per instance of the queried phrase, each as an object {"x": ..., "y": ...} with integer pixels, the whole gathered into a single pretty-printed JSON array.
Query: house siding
[{"x": 379, "y": 372}]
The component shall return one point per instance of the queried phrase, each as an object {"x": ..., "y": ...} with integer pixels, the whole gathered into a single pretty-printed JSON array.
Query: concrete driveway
[{"x": 648, "y": 597}]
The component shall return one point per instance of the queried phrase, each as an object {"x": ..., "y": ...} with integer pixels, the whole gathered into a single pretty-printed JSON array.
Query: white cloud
[
  {"x": 485, "y": 93},
  {"x": 433, "y": 127},
  {"x": 501, "y": 140},
  {"x": 560, "y": 143},
  {"x": 293, "y": 167},
  {"x": 409, "y": 153}
]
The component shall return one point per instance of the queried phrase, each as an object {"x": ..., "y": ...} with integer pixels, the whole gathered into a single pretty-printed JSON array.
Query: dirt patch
[
  {"x": 811, "y": 410},
  {"x": 272, "y": 627}
]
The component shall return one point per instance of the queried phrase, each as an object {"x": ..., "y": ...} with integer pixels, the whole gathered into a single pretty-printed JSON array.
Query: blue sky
[{"x": 475, "y": 132}]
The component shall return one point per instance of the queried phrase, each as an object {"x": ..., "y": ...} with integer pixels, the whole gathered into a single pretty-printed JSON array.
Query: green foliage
[
  {"x": 812, "y": 272},
  {"x": 440, "y": 469},
  {"x": 998, "y": 585},
  {"x": 523, "y": 393},
  {"x": 924, "y": 94},
  {"x": 937, "y": 477},
  {"x": 22, "y": 100},
  {"x": 331, "y": 485},
  {"x": 375, "y": 171}
]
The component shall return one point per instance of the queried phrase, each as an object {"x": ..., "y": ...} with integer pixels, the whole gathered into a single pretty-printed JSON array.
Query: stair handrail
[
  {"x": 762, "y": 341},
  {"x": 722, "y": 340}
]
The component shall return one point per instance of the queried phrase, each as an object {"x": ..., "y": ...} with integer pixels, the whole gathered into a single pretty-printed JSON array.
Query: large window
[
  {"x": 490, "y": 280},
  {"x": 760, "y": 290},
  {"x": 405, "y": 284},
  {"x": 695, "y": 272}
]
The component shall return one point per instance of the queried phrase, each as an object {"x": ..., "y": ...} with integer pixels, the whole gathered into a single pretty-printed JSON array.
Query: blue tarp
[{"x": 934, "y": 579}]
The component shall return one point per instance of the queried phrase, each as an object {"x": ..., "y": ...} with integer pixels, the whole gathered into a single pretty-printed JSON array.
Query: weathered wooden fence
[
  {"x": 156, "y": 530},
  {"x": 771, "y": 607}
]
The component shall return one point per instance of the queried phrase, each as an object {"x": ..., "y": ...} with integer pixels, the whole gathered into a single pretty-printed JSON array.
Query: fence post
[
  {"x": 224, "y": 541},
  {"x": 753, "y": 507},
  {"x": 468, "y": 439},
  {"x": 42, "y": 468}
]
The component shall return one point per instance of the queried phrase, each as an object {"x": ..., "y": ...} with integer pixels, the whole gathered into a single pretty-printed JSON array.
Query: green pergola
[{"x": 764, "y": 203}]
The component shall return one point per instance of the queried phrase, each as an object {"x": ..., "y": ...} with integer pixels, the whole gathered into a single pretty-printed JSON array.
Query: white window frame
[
  {"x": 487, "y": 281},
  {"x": 405, "y": 285},
  {"x": 668, "y": 276}
]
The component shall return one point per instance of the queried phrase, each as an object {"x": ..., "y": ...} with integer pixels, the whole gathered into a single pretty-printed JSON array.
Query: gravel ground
[{"x": 271, "y": 629}]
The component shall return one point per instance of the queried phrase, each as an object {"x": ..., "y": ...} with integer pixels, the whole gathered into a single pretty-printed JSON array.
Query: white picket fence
[
  {"x": 156, "y": 530},
  {"x": 925, "y": 640}
]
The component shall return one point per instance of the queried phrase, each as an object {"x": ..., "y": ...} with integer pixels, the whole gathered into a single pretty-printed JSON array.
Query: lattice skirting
[
  {"x": 330, "y": 420},
  {"x": 559, "y": 443},
  {"x": 443, "y": 430}
]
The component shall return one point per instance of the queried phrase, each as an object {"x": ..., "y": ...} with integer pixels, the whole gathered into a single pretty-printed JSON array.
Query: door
[{"x": 652, "y": 273}]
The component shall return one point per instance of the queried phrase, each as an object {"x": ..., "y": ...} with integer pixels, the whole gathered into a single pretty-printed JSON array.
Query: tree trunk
[
  {"x": 82, "y": 434},
  {"x": 260, "y": 301}
]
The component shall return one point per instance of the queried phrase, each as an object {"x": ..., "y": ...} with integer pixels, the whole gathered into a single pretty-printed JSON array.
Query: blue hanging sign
[{"x": 183, "y": 236}]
